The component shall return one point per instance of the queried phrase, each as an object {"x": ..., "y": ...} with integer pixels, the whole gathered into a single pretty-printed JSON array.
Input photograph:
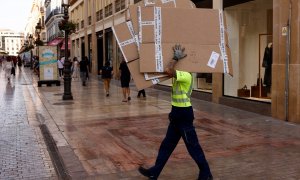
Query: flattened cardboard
[
  {"x": 196, "y": 61},
  {"x": 139, "y": 78},
  {"x": 181, "y": 25},
  {"x": 200, "y": 31},
  {"x": 126, "y": 41},
  {"x": 133, "y": 9}
]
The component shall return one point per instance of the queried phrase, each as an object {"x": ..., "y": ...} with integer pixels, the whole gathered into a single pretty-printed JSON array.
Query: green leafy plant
[{"x": 67, "y": 25}]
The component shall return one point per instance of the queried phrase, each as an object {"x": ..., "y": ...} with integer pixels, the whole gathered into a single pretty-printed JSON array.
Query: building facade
[
  {"x": 10, "y": 41},
  {"x": 264, "y": 42},
  {"x": 36, "y": 16},
  {"x": 53, "y": 16}
]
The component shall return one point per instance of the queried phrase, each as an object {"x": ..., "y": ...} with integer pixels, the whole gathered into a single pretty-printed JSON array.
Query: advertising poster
[{"x": 48, "y": 63}]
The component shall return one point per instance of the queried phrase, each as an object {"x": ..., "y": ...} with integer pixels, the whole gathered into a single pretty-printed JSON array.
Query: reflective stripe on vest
[{"x": 181, "y": 93}]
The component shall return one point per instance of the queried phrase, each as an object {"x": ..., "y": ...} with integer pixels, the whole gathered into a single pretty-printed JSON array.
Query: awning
[
  {"x": 63, "y": 45},
  {"x": 55, "y": 41}
]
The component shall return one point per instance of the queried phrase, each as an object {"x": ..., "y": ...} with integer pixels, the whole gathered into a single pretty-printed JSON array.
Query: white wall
[{"x": 245, "y": 23}]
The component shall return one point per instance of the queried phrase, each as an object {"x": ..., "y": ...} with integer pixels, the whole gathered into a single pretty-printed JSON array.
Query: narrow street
[{"x": 99, "y": 137}]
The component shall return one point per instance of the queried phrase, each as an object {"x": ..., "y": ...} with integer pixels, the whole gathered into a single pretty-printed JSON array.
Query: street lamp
[
  {"x": 38, "y": 29},
  {"x": 30, "y": 45},
  {"x": 67, "y": 64}
]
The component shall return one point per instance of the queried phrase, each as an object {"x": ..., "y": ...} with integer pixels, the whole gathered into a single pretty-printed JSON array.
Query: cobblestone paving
[{"x": 23, "y": 153}]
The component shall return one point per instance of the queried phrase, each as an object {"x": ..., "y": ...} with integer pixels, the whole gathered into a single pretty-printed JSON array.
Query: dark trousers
[
  {"x": 61, "y": 72},
  {"x": 181, "y": 126},
  {"x": 142, "y": 92}
]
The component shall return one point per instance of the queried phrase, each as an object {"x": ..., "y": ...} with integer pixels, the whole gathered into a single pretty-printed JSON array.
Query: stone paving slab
[
  {"x": 108, "y": 139},
  {"x": 22, "y": 149},
  {"x": 100, "y": 137}
]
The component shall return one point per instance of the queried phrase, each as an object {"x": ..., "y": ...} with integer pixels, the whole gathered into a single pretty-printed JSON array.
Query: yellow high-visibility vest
[{"x": 182, "y": 89}]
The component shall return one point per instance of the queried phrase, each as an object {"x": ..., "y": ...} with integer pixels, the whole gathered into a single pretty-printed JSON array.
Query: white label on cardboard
[
  {"x": 222, "y": 43},
  {"x": 147, "y": 23},
  {"x": 154, "y": 76},
  {"x": 167, "y": 1},
  {"x": 149, "y": 2},
  {"x": 157, "y": 39},
  {"x": 212, "y": 62},
  {"x": 125, "y": 43},
  {"x": 130, "y": 28},
  {"x": 155, "y": 81},
  {"x": 140, "y": 24},
  {"x": 137, "y": 41},
  {"x": 118, "y": 41}
]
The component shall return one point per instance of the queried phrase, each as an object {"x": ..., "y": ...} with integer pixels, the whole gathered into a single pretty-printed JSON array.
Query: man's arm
[
  {"x": 170, "y": 68},
  {"x": 178, "y": 54}
]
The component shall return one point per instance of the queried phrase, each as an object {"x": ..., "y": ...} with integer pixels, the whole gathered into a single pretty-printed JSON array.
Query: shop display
[{"x": 243, "y": 92}]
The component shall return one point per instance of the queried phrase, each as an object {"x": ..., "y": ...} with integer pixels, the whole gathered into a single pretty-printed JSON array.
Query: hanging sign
[{"x": 284, "y": 31}]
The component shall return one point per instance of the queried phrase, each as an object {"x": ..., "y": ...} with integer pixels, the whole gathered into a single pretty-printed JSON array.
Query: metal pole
[
  {"x": 287, "y": 64},
  {"x": 67, "y": 64}
]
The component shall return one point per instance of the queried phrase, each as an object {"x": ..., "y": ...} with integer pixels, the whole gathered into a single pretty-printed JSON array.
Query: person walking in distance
[
  {"x": 181, "y": 123},
  {"x": 106, "y": 74},
  {"x": 125, "y": 79},
  {"x": 75, "y": 69},
  {"x": 7, "y": 65},
  {"x": 84, "y": 69},
  {"x": 143, "y": 92},
  {"x": 60, "y": 64}
]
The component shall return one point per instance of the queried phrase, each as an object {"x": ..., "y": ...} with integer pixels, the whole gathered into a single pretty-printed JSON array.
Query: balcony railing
[{"x": 53, "y": 13}]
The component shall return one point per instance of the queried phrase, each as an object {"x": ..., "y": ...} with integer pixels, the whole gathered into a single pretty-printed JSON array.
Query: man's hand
[{"x": 178, "y": 52}]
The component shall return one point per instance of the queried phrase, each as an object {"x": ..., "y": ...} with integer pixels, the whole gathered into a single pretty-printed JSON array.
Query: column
[
  {"x": 282, "y": 109},
  {"x": 217, "y": 78}
]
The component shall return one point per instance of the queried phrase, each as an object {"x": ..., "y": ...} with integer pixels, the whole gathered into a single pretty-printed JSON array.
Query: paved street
[
  {"x": 99, "y": 137},
  {"x": 23, "y": 152}
]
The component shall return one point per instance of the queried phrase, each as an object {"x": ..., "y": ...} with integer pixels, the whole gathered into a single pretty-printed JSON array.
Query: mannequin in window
[{"x": 267, "y": 64}]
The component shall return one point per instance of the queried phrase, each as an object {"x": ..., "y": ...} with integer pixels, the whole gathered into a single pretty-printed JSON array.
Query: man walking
[
  {"x": 83, "y": 70},
  {"x": 181, "y": 123}
]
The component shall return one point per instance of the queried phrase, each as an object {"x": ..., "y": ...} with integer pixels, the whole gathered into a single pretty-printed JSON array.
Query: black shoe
[
  {"x": 206, "y": 178},
  {"x": 146, "y": 172},
  {"x": 129, "y": 98},
  {"x": 107, "y": 94}
]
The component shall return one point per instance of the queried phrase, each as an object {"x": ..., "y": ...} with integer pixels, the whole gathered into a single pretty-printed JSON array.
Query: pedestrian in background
[
  {"x": 84, "y": 69},
  {"x": 106, "y": 74},
  {"x": 60, "y": 65},
  {"x": 125, "y": 80},
  {"x": 75, "y": 69},
  {"x": 181, "y": 125},
  {"x": 141, "y": 92},
  {"x": 88, "y": 62},
  {"x": 7, "y": 64},
  {"x": 19, "y": 63}
]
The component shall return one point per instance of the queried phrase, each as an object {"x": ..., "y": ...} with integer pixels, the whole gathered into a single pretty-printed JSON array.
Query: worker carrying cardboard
[{"x": 181, "y": 123}]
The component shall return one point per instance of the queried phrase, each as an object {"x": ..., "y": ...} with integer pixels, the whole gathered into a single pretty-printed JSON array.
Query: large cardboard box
[
  {"x": 139, "y": 78},
  {"x": 198, "y": 58},
  {"x": 200, "y": 31},
  {"x": 127, "y": 33},
  {"x": 126, "y": 40},
  {"x": 124, "y": 35},
  {"x": 134, "y": 10}
]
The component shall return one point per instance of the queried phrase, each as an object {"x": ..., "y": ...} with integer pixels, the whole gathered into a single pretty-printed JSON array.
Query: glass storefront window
[{"x": 250, "y": 34}]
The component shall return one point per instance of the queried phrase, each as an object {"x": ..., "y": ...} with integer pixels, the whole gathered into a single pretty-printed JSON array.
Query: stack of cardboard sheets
[{"x": 153, "y": 28}]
